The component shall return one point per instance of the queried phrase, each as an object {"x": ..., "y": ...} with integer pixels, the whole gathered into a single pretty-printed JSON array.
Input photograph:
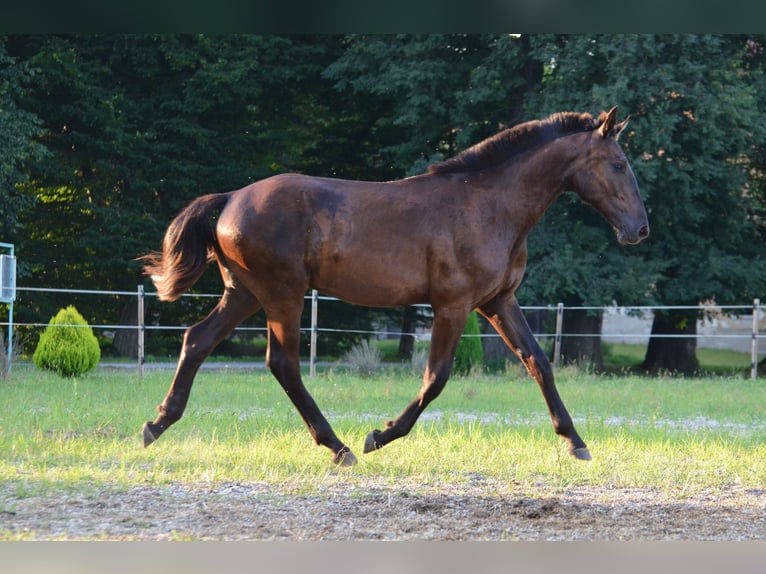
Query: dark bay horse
[{"x": 453, "y": 237}]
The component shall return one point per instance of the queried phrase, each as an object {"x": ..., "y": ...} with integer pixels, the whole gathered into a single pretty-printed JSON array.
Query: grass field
[
  {"x": 713, "y": 361},
  {"x": 681, "y": 435}
]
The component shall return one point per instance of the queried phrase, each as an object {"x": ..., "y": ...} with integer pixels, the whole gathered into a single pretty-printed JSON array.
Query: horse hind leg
[
  {"x": 199, "y": 341},
  {"x": 283, "y": 361}
]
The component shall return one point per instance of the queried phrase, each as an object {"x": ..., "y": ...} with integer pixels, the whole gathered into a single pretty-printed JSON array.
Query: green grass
[
  {"x": 618, "y": 357},
  {"x": 676, "y": 434},
  {"x": 715, "y": 361},
  {"x": 623, "y": 356}
]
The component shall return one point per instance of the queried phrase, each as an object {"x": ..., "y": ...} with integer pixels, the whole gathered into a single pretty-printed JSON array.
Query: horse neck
[{"x": 538, "y": 177}]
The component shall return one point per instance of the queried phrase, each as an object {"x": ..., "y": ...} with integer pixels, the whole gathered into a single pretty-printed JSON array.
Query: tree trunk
[
  {"x": 583, "y": 345},
  {"x": 407, "y": 338},
  {"x": 677, "y": 354},
  {"x": 126, "y": 340}
]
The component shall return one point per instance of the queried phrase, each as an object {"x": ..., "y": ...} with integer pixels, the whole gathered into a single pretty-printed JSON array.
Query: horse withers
[{"x": 453, "y": 237}]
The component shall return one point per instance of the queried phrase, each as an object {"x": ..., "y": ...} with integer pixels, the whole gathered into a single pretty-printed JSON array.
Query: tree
[
  {"x": 68, "y": 345},
  {"x": 573, "y": 257},
  {"x": 139, "y": 125},
  {"x": 694, "y": 122},
  {"x": 431, "y": 96},
  {"x": 699, "y": 122},
  {"x": 469, "y": 353},
  {"x": 17, "y": 146},
  {"x": 435, "y": 94}
]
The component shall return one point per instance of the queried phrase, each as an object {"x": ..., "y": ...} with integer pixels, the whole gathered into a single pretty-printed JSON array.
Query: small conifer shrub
[
  {"x": 469, "y": 354},
  {"x": 68, "y": 345}
]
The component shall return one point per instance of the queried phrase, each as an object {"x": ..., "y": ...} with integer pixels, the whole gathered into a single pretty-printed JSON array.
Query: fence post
[
  {"x": 313, "y": 345},
  {"x": 140, "y": 332},
  {"x": 8, "y": 295},
  {"x": 754, "y": 345},
  {"x": 557, "y": 340}
]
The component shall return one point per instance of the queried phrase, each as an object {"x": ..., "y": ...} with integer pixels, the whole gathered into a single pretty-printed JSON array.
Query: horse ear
[
  {"x": 608, "y": 123},
  {"x": 619, "y": 127}
]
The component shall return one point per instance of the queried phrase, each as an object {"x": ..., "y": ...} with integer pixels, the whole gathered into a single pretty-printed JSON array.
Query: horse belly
[
  {"x": 374, "y": 285},
  {"x": 372, "y": 280}
]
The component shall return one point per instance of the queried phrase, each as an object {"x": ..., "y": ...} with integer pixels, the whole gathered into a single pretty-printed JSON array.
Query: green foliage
[
  {"x": 134, "y": 126},
  {"x": 68, "y": 345},
  {"x": 17, "y": 146},
  {"x": 469, "y": 355},
  {"x": 693, "y": 140},
  {"x": 693, "y": 134},
  {"x": 432, "y": 95},
  {"x": 137, "y": 126}
]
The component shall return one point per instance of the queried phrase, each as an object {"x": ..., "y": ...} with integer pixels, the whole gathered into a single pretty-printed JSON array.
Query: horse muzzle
[{"x": 632, "y": 236}]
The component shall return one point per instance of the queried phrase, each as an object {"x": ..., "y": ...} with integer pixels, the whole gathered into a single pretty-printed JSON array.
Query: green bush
[
  {"x": 67, "y": 350},
  {"x": 469, "y": 354}
]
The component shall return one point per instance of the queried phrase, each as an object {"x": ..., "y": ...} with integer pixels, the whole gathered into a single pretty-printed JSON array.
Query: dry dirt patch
[{"x": 476, "y": 511}]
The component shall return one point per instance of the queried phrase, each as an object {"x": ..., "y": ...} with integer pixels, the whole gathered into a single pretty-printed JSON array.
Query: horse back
[{"x": 371, "y": 243}]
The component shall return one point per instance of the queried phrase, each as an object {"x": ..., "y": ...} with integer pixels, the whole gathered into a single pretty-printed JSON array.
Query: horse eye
[{"x": 619, "y": 166}]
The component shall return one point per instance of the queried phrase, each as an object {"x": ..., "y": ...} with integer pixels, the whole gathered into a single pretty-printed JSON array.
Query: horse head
[{"x": 604, "y": 179}]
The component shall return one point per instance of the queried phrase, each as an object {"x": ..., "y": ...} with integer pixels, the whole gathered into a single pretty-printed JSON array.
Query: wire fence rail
[{"x": 755, "y": 311}]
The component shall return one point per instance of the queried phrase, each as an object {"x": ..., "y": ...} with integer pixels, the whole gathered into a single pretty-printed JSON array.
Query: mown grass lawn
[{"x": 677, "y": 434}]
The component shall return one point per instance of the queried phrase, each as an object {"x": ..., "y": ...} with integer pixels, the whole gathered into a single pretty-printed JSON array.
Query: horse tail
[{"x": 190, "y": 243}]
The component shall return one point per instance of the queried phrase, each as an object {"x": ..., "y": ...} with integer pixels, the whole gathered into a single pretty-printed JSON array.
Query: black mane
[{"x": 498, "y": 148}]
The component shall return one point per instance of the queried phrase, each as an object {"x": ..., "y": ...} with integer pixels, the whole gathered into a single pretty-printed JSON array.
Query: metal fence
[{"x": 727, "y": 326}]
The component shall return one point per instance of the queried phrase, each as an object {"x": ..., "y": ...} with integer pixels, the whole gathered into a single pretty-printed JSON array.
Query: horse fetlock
[
  {"x": 564, "y": 427},
  {"x": 169, "y": 414}
]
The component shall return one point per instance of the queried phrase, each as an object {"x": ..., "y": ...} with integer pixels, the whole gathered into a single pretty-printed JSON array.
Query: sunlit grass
[{"x": 675, "y": 434}]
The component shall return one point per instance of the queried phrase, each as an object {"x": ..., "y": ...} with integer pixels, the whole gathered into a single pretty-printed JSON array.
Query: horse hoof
[
  {"x": 371, "y": 442},
  {"x": 581, "y": 453},
  {"x": 344, "y": 457},
  {"x": 148, "y": 434}
]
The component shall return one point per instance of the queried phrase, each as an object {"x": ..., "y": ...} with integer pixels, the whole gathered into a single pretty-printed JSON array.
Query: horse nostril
[{"x": 643, "y": 233}]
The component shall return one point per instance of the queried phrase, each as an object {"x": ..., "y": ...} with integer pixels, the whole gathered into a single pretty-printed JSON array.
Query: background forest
[{"x": 106, "y": 137}]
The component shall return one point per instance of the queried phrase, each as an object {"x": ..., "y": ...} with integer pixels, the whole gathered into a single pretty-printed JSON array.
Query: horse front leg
[
  {"x": 445, "y": 334},
  {"x": 199, "y": 341},
  {"x": 506, "y": 317}
]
